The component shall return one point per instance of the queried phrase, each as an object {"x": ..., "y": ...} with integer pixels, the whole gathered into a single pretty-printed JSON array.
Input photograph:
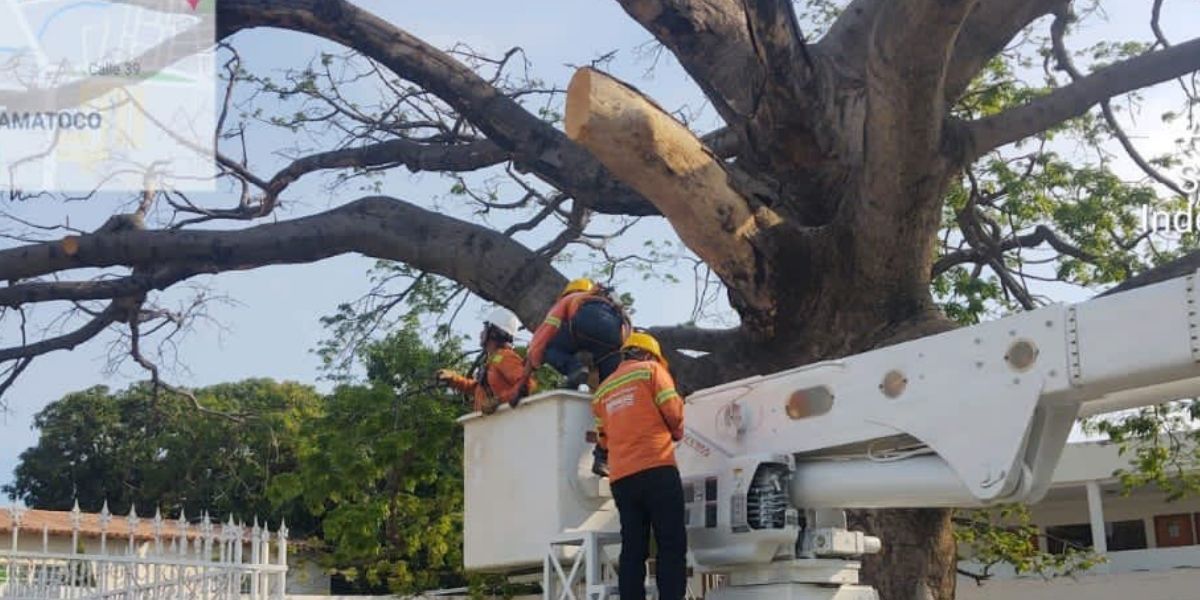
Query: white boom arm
[{"x": 966, "y": 418}]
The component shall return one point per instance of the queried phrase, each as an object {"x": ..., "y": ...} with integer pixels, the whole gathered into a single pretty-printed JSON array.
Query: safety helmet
[
  {"x": 504, "y": 320},
  {"x": 583, "y": 284},
  {"x": 643, "y": 341}
]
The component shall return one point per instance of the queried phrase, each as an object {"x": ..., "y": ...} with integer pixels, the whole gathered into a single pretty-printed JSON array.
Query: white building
[{"x": 1151, "y": 546}]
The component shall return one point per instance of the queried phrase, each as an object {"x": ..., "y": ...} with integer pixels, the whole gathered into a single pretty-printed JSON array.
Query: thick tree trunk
[
  {"x": 807, "y": 290},
  {"x": 918, "y": 557}
]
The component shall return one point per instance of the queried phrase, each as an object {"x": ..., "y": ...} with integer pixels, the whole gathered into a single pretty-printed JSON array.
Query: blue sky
[{"x": 271, "y": 324}]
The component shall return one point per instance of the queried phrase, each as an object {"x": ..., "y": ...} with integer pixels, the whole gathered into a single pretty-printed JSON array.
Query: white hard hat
[{"x": 504, "y": 320}]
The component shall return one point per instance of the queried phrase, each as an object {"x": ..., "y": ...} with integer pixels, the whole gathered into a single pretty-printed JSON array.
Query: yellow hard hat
[
  {"x": 644, "y": 341},
  {"x": 583, "y": 284}
]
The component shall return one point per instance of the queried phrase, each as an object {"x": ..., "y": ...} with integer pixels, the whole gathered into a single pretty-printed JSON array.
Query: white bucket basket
[{"x": 528, "y": 480}]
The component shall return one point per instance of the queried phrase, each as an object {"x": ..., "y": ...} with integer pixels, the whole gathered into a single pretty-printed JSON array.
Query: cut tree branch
[
  {"x": 1075, "y": 99},
  {"x": 644, "y": 146}
]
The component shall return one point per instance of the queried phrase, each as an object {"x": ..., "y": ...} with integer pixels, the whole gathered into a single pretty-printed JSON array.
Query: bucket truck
[{"x": 968, "y": 418}]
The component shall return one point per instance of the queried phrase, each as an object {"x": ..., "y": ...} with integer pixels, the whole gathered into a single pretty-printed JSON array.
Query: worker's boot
[
  {"x": 576, "y": 378},
  {"x": 593, "y": 374},
  {"x": 599, "y": 461},
  {"x": 579, "y": 376}
]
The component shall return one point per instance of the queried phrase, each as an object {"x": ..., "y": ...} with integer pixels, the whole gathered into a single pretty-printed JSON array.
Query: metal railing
[{"x": 155, "y": 560}]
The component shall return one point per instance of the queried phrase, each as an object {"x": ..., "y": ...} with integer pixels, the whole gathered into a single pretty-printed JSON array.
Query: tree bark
[{"x": 919, "y": 558}]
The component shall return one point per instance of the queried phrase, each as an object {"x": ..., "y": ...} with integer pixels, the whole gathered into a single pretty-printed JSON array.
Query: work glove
[
  {"x": 489, "y": 406},
  {"x": 444, "y": 375},
  {"x": 527, "y": 374}
]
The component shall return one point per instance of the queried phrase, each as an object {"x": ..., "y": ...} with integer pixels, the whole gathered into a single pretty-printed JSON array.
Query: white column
[{"x": 1096, "y": 517}]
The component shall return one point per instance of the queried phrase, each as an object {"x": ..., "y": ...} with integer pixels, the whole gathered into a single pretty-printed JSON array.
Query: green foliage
[
  {"x": 382, "y": 469},
  {"x": 1005, "y": 535},
  {"x": 1161, "y": 443},
  {"x": 967, "y": 298},
  {"x": 129, "y": 448}
]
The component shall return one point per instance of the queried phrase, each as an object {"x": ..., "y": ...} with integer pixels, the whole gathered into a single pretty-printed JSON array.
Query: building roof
[{"x": 61, "y": 523}]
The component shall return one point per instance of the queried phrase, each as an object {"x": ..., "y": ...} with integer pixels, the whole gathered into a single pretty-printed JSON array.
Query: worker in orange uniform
[
  {"x": 639, "y": 417},
  {"x": 501, "y": 375},
  {"x": 584, "y": 320}
]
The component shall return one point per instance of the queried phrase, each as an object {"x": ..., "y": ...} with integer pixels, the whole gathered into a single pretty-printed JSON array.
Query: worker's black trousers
[{"x": 652, "y": 500}]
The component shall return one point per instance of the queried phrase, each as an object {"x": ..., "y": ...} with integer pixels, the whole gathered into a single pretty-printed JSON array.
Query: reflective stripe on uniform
[
  {"x": 497, "y": 358},
  {"x": 616, "y": 382},
  {"x": 553, "y": 321},
  {"x": 665, "y": 395}
]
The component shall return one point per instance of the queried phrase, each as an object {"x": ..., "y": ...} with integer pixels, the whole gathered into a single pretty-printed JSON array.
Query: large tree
[{"x": 863, "y": 181}]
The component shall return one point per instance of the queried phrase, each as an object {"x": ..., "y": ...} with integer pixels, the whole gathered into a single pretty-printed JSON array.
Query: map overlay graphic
[{"x": 107, "y": 95}]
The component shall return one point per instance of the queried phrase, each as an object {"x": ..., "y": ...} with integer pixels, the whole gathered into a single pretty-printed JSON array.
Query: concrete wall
[{"x": 1182, "y": 584}]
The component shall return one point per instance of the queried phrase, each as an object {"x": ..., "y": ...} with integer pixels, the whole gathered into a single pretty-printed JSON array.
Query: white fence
[{"x": 151, "y": 559}]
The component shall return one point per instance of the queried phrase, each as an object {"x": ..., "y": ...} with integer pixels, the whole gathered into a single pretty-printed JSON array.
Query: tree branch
[
  {"x": 712, "y": 42},
  {"x": 1062, "y": 56},
  {"x": 1180, "y": 267},
  {"x": 491, "y": 265},
  {"x": 987, "y": 32},
  {"x": 1076, "y": 98},
  {"x": 1040, "y": 235},
  {"x": 534, "y": 144},
  {"x": 690, "y": 337},
  {"x": 907, "y": 60},
  {"x": 662, "y": 159},
  {"x": 113, "y": 313},
  {"x": 136, "y": 284},
  {"x": 414, "y": 156}
]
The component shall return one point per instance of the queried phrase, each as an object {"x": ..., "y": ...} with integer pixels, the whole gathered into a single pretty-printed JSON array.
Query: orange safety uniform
[
  {"x": 562, "y": 312},
  {"x": 639, "y": 416},
  {"x": 504, "y": 371}
]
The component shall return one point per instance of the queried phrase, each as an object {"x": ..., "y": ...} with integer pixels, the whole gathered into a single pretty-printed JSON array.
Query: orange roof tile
[{"x": 58, "y": 522}]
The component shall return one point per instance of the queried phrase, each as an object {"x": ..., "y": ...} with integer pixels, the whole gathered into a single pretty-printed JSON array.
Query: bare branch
[
  {"x": 136, "y": 284},
  {"x": 491, "y": 265},
  {"x": 1040, "y": 235},
  {"x": 690, "y": 337},
  {"x": 414, "y": 156},
  {"x": 534, "y": 144},
  {"x": 68, "y": 341}
]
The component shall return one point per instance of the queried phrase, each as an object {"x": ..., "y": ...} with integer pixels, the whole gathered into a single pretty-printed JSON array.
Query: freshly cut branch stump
[{"x": 652, "y": 152}]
